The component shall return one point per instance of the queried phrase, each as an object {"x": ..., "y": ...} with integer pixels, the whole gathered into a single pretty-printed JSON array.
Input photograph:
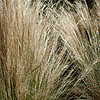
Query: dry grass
[{"x": 51, "y": 55}]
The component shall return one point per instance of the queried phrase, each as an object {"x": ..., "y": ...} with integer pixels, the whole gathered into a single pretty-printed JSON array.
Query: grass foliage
[{"x": 48, "y": 53}]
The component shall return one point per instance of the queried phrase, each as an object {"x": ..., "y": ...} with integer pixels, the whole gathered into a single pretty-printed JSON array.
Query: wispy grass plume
[{"x": 49, "y": 54}]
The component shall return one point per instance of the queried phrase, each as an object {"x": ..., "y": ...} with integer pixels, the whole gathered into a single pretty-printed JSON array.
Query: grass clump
[{"x": 51, "y": 54}]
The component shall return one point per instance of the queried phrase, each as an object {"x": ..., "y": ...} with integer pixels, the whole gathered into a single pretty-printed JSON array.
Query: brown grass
[{"x": 49, "y": 56}]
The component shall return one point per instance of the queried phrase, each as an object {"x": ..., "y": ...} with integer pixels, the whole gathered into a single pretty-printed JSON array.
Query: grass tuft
[{"x": 48, "y": 53}]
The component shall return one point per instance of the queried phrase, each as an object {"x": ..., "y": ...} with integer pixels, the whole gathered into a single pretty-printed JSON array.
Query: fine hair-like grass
[{"x": 47, "y": 54}]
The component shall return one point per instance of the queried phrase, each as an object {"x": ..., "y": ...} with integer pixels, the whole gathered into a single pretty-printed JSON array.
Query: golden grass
[{"x": 51, "y": 55}]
